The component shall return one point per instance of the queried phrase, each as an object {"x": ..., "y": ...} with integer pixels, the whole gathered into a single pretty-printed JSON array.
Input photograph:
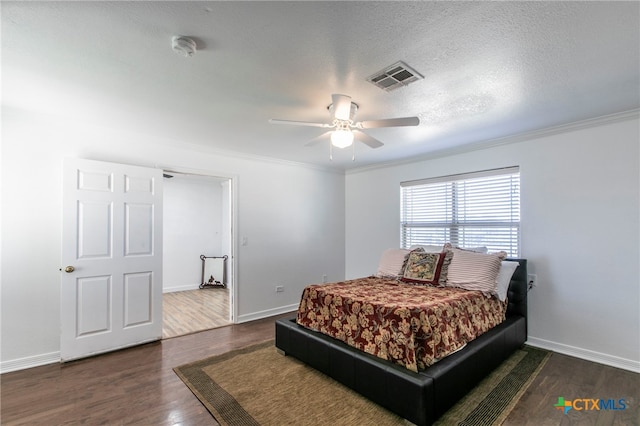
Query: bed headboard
[{"x": 518, "y": 288}]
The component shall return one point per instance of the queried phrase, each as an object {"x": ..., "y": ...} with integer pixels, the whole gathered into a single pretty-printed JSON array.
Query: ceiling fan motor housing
[{"x": 352, "y": 112}]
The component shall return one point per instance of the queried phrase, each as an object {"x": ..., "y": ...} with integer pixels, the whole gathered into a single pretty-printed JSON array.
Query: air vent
[{"x": 394, "y": 77}]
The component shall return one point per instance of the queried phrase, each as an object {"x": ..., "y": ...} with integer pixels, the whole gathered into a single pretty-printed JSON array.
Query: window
[{"x": 469, "y": 210}]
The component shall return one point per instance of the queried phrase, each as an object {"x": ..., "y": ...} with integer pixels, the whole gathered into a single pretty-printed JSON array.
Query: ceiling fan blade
[
  {"x": 341, "y": 106},
  {"x": 389, "y": 122},
  {"x": 366, "y": 139},
  {"x": 323, "y": 137},
  {"x": 298, "y": 123}
]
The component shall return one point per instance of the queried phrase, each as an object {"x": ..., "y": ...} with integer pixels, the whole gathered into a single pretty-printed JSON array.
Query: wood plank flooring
[
  {"x": 186, "y": 312},
  {"x": 137, "y": 386},
  {"x": 574, "y": 378},
  {"x": 131, "y": 386}
]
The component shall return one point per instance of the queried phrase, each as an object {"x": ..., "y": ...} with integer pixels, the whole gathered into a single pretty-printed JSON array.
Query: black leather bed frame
[{"x": 418, "y": 397}]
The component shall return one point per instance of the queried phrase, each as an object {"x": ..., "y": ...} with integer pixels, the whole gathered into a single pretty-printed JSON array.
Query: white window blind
[{"x": 470, "y": 210}]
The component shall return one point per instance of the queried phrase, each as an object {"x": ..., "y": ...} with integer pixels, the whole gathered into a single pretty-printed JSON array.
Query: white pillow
[
  {"x": 391, "y": 263},
  {"x": 507, "y": 269},
  {"x": 483, "y": 249},
  {"x": 476, "y": 249}
]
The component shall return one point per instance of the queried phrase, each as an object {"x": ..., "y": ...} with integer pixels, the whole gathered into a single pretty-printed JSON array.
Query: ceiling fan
[{"x": 344, "y": 129}]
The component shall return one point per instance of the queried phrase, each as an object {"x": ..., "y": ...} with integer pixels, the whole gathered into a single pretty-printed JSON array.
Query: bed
[{"x": 421, "y": 394}]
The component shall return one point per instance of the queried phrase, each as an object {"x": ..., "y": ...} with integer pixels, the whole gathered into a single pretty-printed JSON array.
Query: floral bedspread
[{"x": 410, "y": 325}]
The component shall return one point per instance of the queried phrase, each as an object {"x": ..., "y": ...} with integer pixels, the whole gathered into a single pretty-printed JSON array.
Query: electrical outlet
[
  {"x": 532, "y": 280},
  {"x": 279, "y": 288}
]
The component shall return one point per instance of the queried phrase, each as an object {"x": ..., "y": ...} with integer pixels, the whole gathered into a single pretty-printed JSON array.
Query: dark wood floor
[
  {"x": 574, "y": 378},
  {"x": 138, "y": 386}
]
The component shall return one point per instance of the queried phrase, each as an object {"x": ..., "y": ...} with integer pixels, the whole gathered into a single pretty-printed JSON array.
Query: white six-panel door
[{"x": 111, "y": 286}]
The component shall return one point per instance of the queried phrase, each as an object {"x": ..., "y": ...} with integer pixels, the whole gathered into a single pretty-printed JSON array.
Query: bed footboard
[{"x": 418, "y": 397}]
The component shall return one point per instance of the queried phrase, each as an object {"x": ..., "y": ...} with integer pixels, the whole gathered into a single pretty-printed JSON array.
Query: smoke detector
[{"x": 183, "y": 46}]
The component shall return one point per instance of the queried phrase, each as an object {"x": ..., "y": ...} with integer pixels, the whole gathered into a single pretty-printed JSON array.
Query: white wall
[
  {"x": 582, "y": 242},
  {"x": 292, "y": 216},
  {"x": 580, "y": 231},
  {"x": 192, "y": 226}
]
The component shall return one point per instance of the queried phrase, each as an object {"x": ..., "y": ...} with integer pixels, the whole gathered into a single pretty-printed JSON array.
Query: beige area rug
[{"x": 258, "y": 386}]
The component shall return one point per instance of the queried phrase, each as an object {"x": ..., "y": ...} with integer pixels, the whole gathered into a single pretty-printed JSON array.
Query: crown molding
[
  {"x": 179, "y": 144},
  {"x": 195, "y": 147},
  {"x": 507, "y": 140}
]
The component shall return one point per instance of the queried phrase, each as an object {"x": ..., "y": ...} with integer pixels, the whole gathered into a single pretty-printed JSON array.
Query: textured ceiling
[{"x": 492, "y": 69}]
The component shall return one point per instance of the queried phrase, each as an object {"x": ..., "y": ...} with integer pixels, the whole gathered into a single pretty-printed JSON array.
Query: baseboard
[
  {"x": 265, "y": 314},
  {"x": 54, "y": 357},
  {"x": 29, "y": 362},
  {"x": 181, "y": 288},
  {"x": 600, "y": 358}
]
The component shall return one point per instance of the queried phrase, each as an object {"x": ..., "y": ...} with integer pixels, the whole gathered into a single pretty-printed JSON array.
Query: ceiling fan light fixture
[
  {"x": 342, "y": 138},
  {"x": 344, "y": 129}
]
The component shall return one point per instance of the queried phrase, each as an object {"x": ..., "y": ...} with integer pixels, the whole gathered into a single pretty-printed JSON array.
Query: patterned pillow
[
  {"x": 427, "y": 268},
  {"x": 392, "y": 263},
  {"x": 475, "y": 271}
]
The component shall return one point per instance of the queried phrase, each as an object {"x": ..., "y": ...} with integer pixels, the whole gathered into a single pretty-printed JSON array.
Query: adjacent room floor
[{"x": 186, "y": 312}]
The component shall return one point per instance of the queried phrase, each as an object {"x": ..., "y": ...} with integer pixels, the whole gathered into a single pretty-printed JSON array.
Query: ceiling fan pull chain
[
  {"x": 330, "y": 152},
  {"x": 353, "y": 152}
]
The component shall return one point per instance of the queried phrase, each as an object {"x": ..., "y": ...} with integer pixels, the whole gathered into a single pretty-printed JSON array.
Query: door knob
[{"x": 69, "y": 269}]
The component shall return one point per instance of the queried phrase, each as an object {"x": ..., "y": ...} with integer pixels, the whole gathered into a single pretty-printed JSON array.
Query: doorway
[{"x": 197, "y": 221}]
